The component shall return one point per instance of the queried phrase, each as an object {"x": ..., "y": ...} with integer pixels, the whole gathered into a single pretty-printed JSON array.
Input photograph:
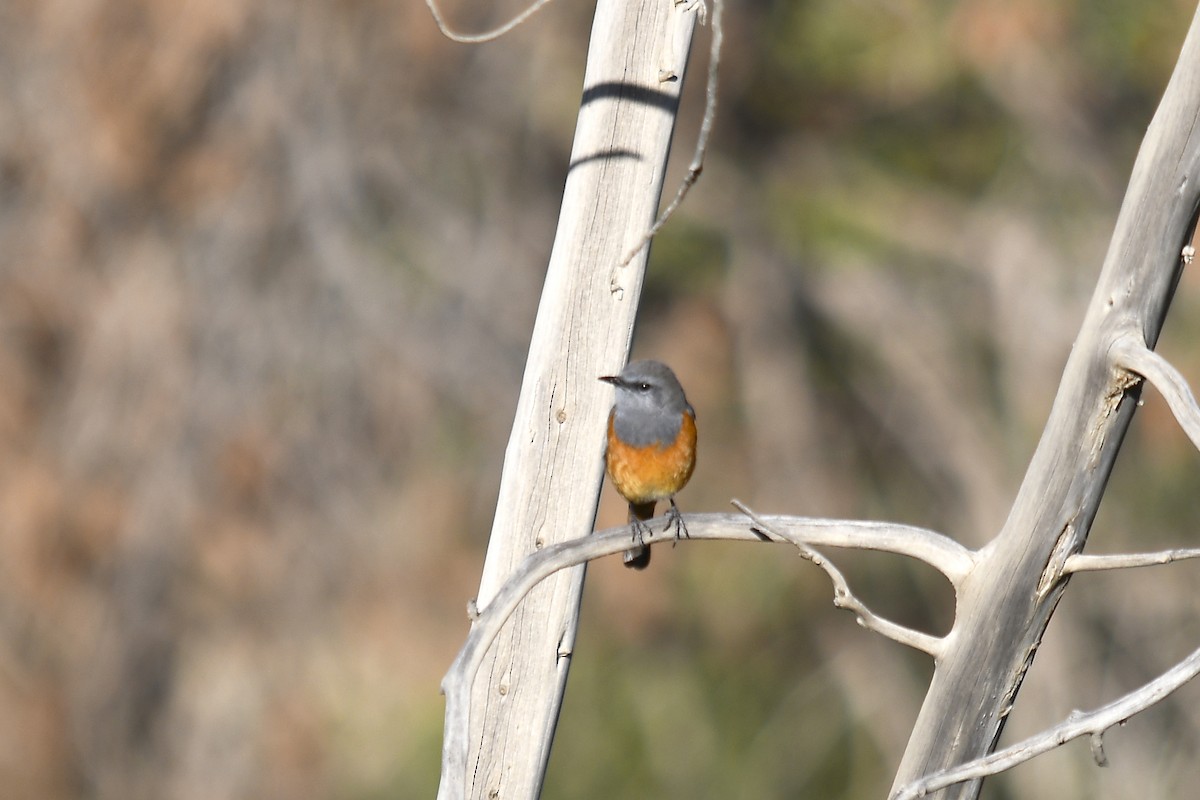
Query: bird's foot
[
  {"x": 639, "y": 529},
  {"x": 674, "y": 517}
]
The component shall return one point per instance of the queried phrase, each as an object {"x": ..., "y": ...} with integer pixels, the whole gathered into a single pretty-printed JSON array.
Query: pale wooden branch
[
  {"x": 1080, "y": 562},
  {"x": 552, "y": 475},
  {"x": 706, "y": 124},
  {"x": 844, "y": 598},
  {"x": 1005, "y": 606},
  {"x": 1129, "y": 352},
  {"x": 486, "y": 36},
  {"x": 1093, "y": 724},
  {"x": 486, "y": 624},
  {"x": 943, "y": 554}
]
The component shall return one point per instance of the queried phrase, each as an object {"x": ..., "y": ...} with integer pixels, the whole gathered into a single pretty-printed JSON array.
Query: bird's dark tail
[{"x": 638, "y": 556}]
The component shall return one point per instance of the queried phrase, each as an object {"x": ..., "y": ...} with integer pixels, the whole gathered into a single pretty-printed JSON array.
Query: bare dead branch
[
  {"x": 1092, "y": 724},
  {"x": 1079, "y": 562},
  {"x": 1006, "y": 606},
  {"x": 488, "y": 621},
  {"x": 943, "y": 554},
  {"x": 1129, "y": 352},
  {"x": 552, "y": 470},
  {"x": 487, "y": 36},
  {"x": 844, "y": 598},
  {"x": 706, "y": 124}
]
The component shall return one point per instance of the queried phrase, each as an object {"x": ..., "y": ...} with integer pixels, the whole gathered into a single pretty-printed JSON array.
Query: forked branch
[
  {"x": 1130, "y": 353},
  {"x": 844, "y": 598},
  {"x": 940, "y": 552}
]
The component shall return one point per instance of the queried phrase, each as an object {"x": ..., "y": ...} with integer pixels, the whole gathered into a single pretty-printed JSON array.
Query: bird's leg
[
  {"x": 674, "y": 517},
  {"x": 638, "y": 527}
]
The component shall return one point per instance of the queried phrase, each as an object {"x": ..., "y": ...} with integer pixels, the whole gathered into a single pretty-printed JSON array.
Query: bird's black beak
[{"x": 613, "y": 379}]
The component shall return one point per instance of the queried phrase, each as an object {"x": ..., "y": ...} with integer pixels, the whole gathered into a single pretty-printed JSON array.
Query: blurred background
[{"x": 268, "y": 271}]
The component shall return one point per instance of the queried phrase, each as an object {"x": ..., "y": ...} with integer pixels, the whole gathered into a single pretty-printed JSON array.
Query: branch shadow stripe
[
  {"x": 620, "y": 90},
  {"x": 604, "y": 155},
  {"x": 623, "y": 91}
]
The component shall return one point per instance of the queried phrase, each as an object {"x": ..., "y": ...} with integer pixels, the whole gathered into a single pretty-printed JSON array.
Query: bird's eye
[{"x": 645, "y": 387}]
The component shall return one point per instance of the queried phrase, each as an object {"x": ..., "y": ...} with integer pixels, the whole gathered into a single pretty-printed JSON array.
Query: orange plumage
[
  {"x": 651, "y": 447},
  {"x": 656, "y": 471}
]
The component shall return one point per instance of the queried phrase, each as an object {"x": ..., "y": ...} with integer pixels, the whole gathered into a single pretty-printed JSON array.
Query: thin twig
[
  {"x": 1129, "y": 352},
  {"x": 844, "y": 598},
  {"x": 1078, "y": 724},
  {"x": 706, "y": 126},
  {"x": 1094, "y": 563},
  {"x": 487, "y": 36}
]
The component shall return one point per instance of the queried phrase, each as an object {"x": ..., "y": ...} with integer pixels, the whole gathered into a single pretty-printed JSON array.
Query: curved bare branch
[
  {"x": 943, "y": 554},
  {"x": 938, "y": 551},
  {"x": 844, "y": 598},
  {"x": 1129, "y": 352},
  {"x": 486, "y": 36}
]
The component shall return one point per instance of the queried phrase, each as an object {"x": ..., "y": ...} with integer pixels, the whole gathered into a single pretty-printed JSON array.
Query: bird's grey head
[{"x": 649, "y": 403}]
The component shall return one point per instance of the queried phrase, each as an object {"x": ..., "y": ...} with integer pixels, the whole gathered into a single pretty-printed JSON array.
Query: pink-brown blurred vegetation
[{"x": 267, "y": 274}]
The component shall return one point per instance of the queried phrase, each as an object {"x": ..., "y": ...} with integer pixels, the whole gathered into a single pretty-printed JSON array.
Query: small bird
[{"x": 651, "y": 447}]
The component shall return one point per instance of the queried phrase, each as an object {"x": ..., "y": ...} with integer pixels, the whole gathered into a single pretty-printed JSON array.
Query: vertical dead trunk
[
  {"x": 553, "y": 465},
  {"x": 1007, "y": 602}
]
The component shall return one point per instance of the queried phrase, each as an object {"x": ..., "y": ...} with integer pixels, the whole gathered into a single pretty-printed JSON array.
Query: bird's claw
[{"x": 674, "y": 517}]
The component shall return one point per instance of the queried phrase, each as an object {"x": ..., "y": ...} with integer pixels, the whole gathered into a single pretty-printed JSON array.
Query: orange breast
[{"x": 654, "y": 472}]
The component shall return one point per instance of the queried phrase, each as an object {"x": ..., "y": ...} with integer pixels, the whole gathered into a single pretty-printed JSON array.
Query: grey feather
[{"x": 649, "y": 404}]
